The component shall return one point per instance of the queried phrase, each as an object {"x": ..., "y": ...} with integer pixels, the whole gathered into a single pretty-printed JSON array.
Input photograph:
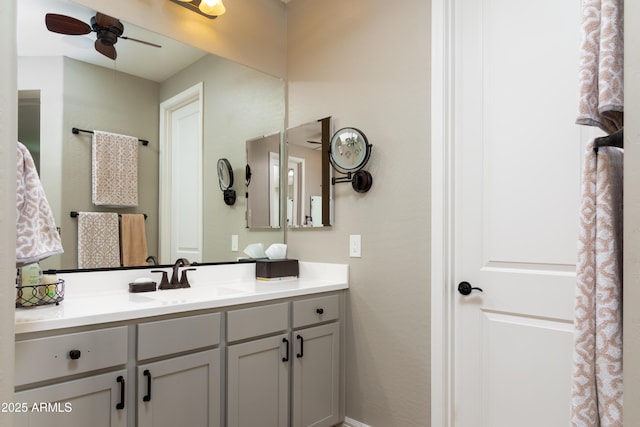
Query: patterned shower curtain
[
  {"x": 597, "y": 393},
  {"x": 597, "y": 357}
]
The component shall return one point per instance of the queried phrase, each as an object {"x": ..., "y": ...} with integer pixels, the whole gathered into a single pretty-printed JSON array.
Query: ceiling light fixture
[{"x": 209, "y": 8}]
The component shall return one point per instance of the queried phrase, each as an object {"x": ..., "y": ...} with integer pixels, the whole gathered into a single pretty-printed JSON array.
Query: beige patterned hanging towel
[
  {"x": 98, "y": 240},
  {"x": 114, "y": 169},
  {"x": 36, "y": 234},
  {"x": 596, "y": 393},
  {"x": 601, "y": 77}
]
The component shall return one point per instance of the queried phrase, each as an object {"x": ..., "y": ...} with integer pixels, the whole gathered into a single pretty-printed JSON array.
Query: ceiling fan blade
[
  {"x": 63, "y": 24},
  {"x": 106, "y": 50},
  {"x": 106, "y": 21},
  {"x": 140, "y": 41}
]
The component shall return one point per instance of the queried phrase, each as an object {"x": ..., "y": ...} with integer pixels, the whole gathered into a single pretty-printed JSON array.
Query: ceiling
[{"x": 134, "y": 58}]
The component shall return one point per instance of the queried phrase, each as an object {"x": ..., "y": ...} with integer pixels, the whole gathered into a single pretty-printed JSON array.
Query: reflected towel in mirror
[
  {"x": 98, "y": 240},
  {"x": 133, "y": 239},
  {"x": 36, "y": 234},
  {"x": 114, "y": 169}
]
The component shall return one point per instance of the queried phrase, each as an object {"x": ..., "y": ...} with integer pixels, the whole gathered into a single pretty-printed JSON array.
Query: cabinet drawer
[
  {"x": 61, "y": 355},
  {"x": 170, "y": 336},
  {"x": 257, "y": 321},
  {"x": 315, "y": 310}
]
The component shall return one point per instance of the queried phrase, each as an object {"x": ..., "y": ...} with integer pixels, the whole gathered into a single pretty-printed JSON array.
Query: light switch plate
[
  {"x": 355, "y": 246},
  {"x": 234, "y": 243}
]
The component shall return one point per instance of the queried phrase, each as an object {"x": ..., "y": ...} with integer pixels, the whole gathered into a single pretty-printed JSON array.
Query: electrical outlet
[
  {"x": 234, "y": 243},
  {"x": 355, "y": 246}
]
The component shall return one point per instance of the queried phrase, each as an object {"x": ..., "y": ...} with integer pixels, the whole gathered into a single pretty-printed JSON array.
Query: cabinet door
[
  {"x": 181, "y": 391},
  {"x": 316, "y": 370},
  {"x": 96, "y": 401},
  {"x": 258, "y": 383}
]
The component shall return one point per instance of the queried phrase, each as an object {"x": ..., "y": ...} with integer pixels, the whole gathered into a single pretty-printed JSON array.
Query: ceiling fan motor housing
[{"x": 107, "y": 35}]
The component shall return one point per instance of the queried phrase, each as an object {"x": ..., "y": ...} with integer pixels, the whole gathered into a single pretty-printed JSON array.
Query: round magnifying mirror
[
  {"x": 225, "y": 174},
  {"x": 349, "y": 150},
  {"x": 225, "y": 180}
]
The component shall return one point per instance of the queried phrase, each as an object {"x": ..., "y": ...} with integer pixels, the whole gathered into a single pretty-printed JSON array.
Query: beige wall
[{"x": 366, "y": 63}]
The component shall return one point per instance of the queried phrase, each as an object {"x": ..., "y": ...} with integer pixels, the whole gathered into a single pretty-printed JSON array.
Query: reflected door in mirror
[{"x": 263, "y": 188}]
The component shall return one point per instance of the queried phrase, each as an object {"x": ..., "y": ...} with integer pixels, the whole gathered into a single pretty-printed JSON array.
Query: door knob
[{"x": 465, "y": 288}]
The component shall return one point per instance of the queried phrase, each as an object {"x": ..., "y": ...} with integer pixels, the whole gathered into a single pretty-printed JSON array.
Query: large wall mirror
[{"x": 75, "y": 86}]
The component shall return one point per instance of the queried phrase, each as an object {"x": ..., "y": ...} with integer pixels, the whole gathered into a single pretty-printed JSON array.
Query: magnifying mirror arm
[
  {"x": 338, "y": 180},
  {"x": 361, "y": 180}
]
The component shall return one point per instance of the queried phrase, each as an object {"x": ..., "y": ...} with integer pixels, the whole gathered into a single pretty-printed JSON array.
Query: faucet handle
[
  {"x": 164, "y": 283},
  {"x": 184, "y": 281}
]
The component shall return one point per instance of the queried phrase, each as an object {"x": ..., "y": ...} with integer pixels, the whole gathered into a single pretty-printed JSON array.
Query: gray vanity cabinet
[
  {"x": 91, "y": 401},
  {"x": 316, "y": 369},
  {"x": 290, "y": 378},
  {"x": 258, "y": 383},
  {"x": 179, "y": 390},
  {"x": 258, "y": 366},
  {"x": 57, "y": 397},
  {"x": 267, "y": 364},
  {"x": 316, "y": 362}
]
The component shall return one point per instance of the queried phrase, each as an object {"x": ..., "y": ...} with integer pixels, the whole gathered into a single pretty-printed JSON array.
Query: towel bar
[
  {"x": 77, "y": 131},
  {"x": 74, "y": 214}
]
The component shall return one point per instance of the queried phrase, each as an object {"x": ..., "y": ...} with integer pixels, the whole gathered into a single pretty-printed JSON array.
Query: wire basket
[{"x": 35, "y": 295}]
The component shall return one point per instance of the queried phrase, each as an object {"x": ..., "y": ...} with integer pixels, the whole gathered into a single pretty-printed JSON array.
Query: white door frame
[
  {"x": 442, "y": 214},
  {"x": 299, "y": 185},
  {"x": 167, "y": 108}
]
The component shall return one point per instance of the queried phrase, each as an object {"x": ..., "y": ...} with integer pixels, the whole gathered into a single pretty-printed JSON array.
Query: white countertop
[{"x": 102, "y": 297}]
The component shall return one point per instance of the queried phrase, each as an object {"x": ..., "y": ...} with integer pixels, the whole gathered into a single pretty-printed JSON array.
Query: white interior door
[
  {"x": 181, "y": 177},
  {"x": 515, "y": 160}
]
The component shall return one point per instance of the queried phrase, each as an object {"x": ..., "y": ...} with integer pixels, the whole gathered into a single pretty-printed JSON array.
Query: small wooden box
[{"x": 273, "y": 269}]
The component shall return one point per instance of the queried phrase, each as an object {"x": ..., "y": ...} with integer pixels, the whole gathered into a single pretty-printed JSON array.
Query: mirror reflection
[
  {"x": 263, "y": 182},
  {"x": 309, "y": 193},
  {"x": 78, "y": 87}
]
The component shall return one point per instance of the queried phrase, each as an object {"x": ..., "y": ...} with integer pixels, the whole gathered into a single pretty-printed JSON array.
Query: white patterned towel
[
  {"x": 115, "y": 169},
  {"x": 36, "y": 234},
  {"x": 98, "y": 240},
  {"x": 601, "y": 77},
  {"x": 596, "y": 393}
]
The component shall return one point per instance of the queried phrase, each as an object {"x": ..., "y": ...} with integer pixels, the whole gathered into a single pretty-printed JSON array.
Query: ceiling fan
[{"x": 108, "y": 30}]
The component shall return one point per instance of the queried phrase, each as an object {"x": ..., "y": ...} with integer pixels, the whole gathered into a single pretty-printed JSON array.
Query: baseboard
[{"x": 348, "y": 422}]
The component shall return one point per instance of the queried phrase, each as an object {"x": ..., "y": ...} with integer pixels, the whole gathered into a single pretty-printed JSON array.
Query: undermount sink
[{"x": 184, "y": 294}]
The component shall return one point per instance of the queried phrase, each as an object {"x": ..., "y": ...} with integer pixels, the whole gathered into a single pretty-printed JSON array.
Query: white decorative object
[
  {"x": 277, "y": 251},
  {"x": 255, "y": 250}
]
